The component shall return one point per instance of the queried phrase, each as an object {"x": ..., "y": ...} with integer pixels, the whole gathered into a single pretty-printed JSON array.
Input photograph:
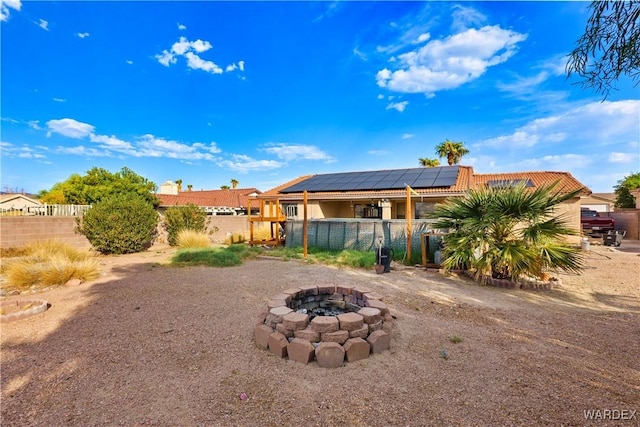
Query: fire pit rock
[{"x": 326, "y": 323}]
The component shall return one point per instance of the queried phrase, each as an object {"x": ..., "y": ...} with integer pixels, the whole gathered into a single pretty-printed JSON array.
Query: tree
[
  {"x": 179, "y": 182},
  {"x": 609, "y": 47},
  {"x": 452, "y": 150},
  {"x": 234, "y": 183},
  {"x": 99, "y": 184},
  {"x": 224, "y": 187},
  {"x": 507, "y": 233},
  {"x": 429, "y": 163},
  {"x": 189, "y": 187},
  {"x": 624, "y": 199}
]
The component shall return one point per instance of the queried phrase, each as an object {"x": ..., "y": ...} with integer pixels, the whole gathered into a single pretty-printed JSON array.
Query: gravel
[{"x": 149, "y": 344}]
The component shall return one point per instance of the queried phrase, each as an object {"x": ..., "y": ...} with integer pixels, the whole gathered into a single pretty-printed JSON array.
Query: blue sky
[{"x": 264, "y": 92}]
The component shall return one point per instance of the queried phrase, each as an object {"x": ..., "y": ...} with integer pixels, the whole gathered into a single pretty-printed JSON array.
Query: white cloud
[
  {"x": 451, "y": 62},
  {"x": 166, "y": 58},
  {"x": 81, "y": 150},
  {"x": 290, "y": 152},
  {"x": 245, "y": 164},
  {"x": 380, "y": 96},
  {"x": 597, "y": 123},
  {"x": 34, "y": 124},
  {"x": 59, "y": 100},
  {"x": 562, "y": 162},
  {"x": 378, "y": 152},
  {"x": 233, "y": 67},
  {"x": 43, "y": 24},
  {"x": 398, "y": 106},
  {"x": 181, "y": 27},
  {"x": 151, "y": 146},
  {"x": 623, "y": 157},
  {"x": 4, "y": 8},
  {"x": 83, "y": 35},
  {"x": 407, "y": 135},
  {"x": 466, "y": 17},
  {"x": 128, "y": 61},
  {"x": 189, "y": 49},
  {"x": 69, "y": 127},
  {"x": 197, "y": 63},
  {"x": 360, "y": 54}
]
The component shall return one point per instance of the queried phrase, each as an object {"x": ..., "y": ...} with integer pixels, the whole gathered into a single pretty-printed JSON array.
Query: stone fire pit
[{"x": 325, "y": 323}]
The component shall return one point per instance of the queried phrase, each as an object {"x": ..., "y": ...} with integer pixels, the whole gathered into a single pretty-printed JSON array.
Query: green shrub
[
  {"x": 120, "y": 224},
  {"x": 189, "y": 217},
  {"x": 212, "y": 257}
]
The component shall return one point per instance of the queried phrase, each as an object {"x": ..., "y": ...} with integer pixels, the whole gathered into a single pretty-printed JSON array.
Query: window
[
  {"x": 367, "y": 211},
  {"x": 423, "y": 209},
  {"x": 290, "y": 210}
]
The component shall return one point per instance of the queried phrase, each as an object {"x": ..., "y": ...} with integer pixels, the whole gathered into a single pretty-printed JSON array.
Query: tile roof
[
  {"x": 566, "y": 182},
  {"x": 466, "y": 180},
  {"x": 231, "y": 198}
]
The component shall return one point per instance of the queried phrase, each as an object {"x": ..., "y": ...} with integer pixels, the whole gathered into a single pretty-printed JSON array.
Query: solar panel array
[
  {"x": 394, "y": 179},
  {"x": 506, "y": 183}
]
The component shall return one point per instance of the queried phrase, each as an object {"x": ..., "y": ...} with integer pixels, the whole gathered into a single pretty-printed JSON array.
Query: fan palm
[
  {"x": 507, "y": 232},
  {"x": 234, "y": 183},
  {"x": 452, "y": 150}
]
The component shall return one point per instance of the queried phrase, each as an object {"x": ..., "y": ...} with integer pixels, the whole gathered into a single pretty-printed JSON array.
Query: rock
[{"x": 356, "y": 349}]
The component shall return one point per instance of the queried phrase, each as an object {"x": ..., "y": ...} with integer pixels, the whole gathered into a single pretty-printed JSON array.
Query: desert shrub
[
  {"x": 212, "y": 257},
  {"x": 119, "y": 224},
  {"x": 49, "y": 263},
  {"x": 192, "y": 239},
  {"x": 178, "y": 218}
]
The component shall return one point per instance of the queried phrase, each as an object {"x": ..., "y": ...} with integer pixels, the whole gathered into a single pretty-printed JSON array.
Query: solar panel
[{"x": 395, "y": 179}]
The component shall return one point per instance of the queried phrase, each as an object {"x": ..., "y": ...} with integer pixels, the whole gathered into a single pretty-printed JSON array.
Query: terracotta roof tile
[
  {"x": 566, "y": 182},
  {"x": 232, "y": 198}
]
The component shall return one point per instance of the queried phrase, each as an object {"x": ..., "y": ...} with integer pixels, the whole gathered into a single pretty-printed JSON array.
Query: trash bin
[
  {"x": 613, "y": 238},
  {"x": 585, "y": 245}
]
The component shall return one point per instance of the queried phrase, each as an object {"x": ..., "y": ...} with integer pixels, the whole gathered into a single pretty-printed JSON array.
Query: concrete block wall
[{"x": 19, "y": 231}]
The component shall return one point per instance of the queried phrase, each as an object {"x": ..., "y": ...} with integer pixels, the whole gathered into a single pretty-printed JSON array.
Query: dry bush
[
  {"x": 192, "y": 239},
  {"x": 49, "y": 263}
]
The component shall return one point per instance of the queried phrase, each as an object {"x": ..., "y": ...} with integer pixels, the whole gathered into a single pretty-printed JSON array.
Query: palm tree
[
  {"x": 189, "y": 187},
  {"x": 224, "y": 187},
  {"x": 507, "y": 233},
  {"x": 234, "y": 183},
  {"x": 179, "y": 182},
  {"x": 429, "y": 163},
  {"x": 452, "y": 150}
]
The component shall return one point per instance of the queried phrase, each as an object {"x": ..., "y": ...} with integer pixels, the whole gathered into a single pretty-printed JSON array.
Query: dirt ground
[{"x": 149, "y": 344}]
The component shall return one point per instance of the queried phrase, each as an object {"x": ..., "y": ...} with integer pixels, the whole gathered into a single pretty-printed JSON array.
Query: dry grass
[
  {"x": 48, "y": 263},
  {"x": 192, "y": 239}
]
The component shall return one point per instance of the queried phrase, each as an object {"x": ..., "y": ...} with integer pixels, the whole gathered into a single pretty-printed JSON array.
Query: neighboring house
[
  {"x": 382, "y": 194},
  {"x": 17, "y": 203},
  {"x": 601, "y": 202},
  {"x": 215, "y": 202}
]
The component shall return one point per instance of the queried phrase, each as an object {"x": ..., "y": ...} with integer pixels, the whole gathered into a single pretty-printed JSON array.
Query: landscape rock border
[
  {"x": 286, "y": 331},
  {"x": 26, "y": 308}
]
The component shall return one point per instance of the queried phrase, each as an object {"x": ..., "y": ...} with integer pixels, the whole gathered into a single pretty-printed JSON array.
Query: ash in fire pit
[
  {"x": 326, "y": 323},
  {"x": 329, "y": 308}
]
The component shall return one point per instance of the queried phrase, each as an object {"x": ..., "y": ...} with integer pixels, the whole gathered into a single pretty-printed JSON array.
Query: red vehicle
[{"x": 593, "y": 223}]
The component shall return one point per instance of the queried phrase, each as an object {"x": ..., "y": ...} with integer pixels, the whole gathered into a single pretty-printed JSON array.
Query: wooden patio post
[
  {"x": 304, "y": 225},
  {"x": 408, "y": 218}
]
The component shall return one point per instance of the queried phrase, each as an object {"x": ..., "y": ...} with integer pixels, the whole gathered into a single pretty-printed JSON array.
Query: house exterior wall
[{"x": 17, "y": 204}]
